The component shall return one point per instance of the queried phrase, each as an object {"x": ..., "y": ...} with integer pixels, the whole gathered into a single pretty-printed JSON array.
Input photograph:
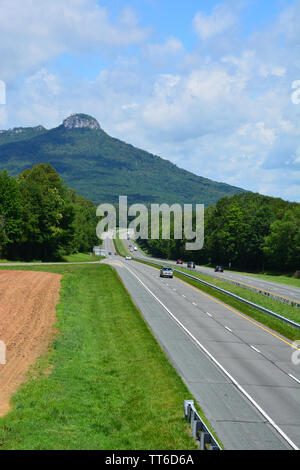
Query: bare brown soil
[{"x": 27, "y": 315}]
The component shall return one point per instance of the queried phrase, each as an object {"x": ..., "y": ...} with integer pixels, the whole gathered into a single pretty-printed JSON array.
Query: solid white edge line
[
  {"x": 297, "y": 380},
  {"x": 240, "y": 388}
]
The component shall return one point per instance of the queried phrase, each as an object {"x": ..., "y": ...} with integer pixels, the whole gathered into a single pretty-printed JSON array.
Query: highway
[
  {"x": 240, "y": 372},
  {"x": 273, "y": 288}
]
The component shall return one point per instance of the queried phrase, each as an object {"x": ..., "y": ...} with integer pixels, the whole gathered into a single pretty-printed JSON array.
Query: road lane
[
  {"x": 258, "y": 359},
  {"x": 282, "y": 290}
]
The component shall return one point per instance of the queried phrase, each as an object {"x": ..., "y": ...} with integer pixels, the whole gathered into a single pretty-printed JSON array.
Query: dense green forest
[
  {"x": 41, "y": 218},
  {"x": 250, "y": 231}
]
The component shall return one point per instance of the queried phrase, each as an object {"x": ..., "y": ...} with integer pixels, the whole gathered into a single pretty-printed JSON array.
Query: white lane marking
[
  {"x": 297, "y": 380},
  {"x": 255, "y": 349},
  {"x": 209, "y": 314},
  {"x": 217, "y": 363},
  {"x": 194, "y": 303},
  {"x": 228, "y": 329},
  {"x": 183, "y": 296}
]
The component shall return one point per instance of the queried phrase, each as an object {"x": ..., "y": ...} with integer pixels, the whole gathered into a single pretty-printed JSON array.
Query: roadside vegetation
[
  {"x": 42, "y": 219},
  {"x": 82, "y": 257},
  {"x": 249, "y": 232},
  {"x": 120, "y": 247},
  {"x": 105, "y": 383}
]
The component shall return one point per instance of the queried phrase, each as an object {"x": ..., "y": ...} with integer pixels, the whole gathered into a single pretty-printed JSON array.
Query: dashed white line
[
  {"x": 228, "y": 329},
  {"x": 255, "y": 349},
  {"x": 209, "y": 314},
  {"x": 217, "y": 363}
]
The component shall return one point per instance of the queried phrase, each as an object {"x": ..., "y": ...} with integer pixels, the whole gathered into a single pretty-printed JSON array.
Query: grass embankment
[
  {"x": 74, "y": 258},
  {"x": 110, "y": 386},
  {"x": 81, "y": 257},
  {"x": 120, "y": 246}
]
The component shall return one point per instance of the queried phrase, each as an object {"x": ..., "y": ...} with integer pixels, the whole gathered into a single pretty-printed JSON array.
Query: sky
[{"x": 213, "y": 86}]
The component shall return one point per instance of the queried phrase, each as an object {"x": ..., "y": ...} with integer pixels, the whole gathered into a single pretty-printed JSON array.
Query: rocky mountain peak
[{"x": 81, "y": 121}]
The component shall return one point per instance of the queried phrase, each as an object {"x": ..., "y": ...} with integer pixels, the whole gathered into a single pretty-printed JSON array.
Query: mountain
[
  {"x": 101, "y": 167},
  {"x": 20, "y": 133}
]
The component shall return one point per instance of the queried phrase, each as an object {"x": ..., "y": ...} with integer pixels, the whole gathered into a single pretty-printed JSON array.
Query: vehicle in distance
[
  {"x": 135, "y": 248},
  {"x": 179, "y": 261},
  {"x": 110, "y": 253},
  {"x": 191, "y": 264},
  {"x": 219, "y": 269},
  {"x": 127, "y": 257},
  {"x": 166, "y": 272}
]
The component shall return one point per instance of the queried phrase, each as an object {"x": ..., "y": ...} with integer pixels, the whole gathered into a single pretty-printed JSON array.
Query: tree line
[
  {"x": 41, "y": 218},
  {"x": 247, "y": 232}
]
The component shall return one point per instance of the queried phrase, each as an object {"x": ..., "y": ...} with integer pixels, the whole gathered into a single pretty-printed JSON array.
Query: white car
[
  {"x": 135, "y": 248},
  {"x": 127, "y": 257}
]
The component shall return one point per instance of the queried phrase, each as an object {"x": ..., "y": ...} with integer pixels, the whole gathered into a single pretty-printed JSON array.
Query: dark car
[
  {"x": 191, "y": 264},
  {"x": 219, "y": 269},
  {"x": 179, "y": 261},
  {"x": 166, "y": 272}
]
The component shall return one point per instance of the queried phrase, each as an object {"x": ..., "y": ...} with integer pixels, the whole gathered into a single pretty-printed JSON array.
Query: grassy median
[{"x": 105, "y": 384}]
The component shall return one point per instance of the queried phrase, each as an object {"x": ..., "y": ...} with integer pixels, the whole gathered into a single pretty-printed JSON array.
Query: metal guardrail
[
  {"x": 241, "y": 299},
  {"x": 200, "y": 431}
]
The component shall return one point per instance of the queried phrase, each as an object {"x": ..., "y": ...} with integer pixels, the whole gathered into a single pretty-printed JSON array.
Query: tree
[
  {"x": 10, "y": 213},
  {"x": 47, "y": 214},
  {"x": 282, "y": 246}
]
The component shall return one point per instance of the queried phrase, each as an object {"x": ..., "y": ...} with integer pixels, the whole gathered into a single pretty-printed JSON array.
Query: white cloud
[
  {"x": 221, "y": 19},
  {"x": 227, "y": 116},
  {"x": 35, "y": 31},
  {"x": 160, "y": 53}
]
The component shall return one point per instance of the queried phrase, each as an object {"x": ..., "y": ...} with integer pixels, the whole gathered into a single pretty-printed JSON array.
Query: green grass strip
[
  {"x": 111, "y": 385},
  {"x": 120, "y": 246}
]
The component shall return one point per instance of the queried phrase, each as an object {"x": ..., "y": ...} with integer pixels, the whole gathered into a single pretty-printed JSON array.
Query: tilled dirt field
[{"x": 27, "y": 315}]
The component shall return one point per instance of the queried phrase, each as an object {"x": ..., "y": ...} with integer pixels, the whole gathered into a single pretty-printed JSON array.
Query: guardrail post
[
  {"x": 204, "y": 439},
  {"x": 188, "y": 405}
]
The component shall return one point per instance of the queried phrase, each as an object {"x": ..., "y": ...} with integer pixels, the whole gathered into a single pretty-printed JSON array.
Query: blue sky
[{"x": 206, "y": 84}]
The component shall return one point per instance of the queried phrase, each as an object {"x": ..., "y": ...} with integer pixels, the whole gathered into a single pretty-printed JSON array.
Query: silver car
[{"x": 166, "y": 272}]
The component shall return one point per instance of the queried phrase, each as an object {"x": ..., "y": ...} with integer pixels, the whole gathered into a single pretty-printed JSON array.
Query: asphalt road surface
[
  {"x": 240, "y": 372},
  {"x": 274, "y": 288}
]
